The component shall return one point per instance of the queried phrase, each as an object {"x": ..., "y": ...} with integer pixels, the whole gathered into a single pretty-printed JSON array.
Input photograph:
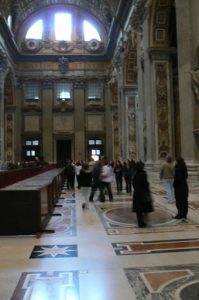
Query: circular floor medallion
[{"x": 123, "y": 216}]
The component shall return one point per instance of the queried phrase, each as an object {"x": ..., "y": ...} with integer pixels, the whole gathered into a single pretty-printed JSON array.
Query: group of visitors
[
  {"x": 103, "y": 172},
  {"x": 98, "y": 176},
  {"x": 174, "y": 176}
]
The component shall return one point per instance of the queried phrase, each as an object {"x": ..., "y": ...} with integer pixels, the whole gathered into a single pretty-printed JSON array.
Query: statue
[
  {"x": 195, "y": 82},
  {"x": 63, "y": 64}
]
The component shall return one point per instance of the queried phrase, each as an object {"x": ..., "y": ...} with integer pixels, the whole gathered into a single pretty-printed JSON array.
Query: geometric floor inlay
[
  {"x": 54, "y": 251},
  {"x": 118, "y": 218},
  {"x": 47, "y": 286},
  {"x": 194, "y": 205},
  {"x": 150, "y": 247},
  {"x": 64, "y": 222},
  {"x": 165, "y": 282}
]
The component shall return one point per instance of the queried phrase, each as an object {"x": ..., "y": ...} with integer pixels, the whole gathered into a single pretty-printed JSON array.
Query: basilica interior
[{"x": 82, "y": 79}]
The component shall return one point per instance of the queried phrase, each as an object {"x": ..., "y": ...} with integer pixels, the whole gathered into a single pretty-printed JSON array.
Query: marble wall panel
[
  {"x": 32, "y": 123},
  {"x": 63, "y": 123},
  {"x": 95, "y": 122}
]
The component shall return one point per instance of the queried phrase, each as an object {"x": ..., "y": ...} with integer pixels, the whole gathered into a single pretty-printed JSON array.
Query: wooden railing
[{"x": 13, "y": 176}]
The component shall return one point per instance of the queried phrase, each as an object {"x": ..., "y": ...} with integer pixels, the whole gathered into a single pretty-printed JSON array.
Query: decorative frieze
[
  {"x": 63, "y": 47},
  {"x": 9, "y": 136},
  {"x": 116, "y": 134},
  {"x": 131, "y": 127},
  {"x": 161, "y": 90}
]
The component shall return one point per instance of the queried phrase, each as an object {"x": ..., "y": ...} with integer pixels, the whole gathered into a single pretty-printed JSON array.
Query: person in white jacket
[{"x": 106, "y": 179}]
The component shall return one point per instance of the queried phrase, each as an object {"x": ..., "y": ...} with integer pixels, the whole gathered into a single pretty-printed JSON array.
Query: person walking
[
  {"x": 181, "y": 189},
  {"x": 70, "y": 175},
  {"x": 142, "y": 200},
  {"x": 96, "y": 179},
  {"x": 118, "y": 170},
  {"x": 78, "y": 167},
  {"x": 127, "y": 171},
  {"x": 167, "y": 176},
  {"x": 85, "y": 181}
]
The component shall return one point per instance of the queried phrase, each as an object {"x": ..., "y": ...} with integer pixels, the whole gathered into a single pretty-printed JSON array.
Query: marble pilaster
[
  {"x": 139, "y": 104},
  {"x": 162, "y": 102},
  {"x": 47, "y": 116},
  {"x": 3, "y": 70},
  {"x": 121, "y": 110},
  {"x": 185, "y": 32},
  {"x": 184, "y": 36},
  {"x": 79, "y": 121},
  {"x": 1, "y": 119},
  {"x": 147, "y": 100},
  {"x": 109, "y": 124}
]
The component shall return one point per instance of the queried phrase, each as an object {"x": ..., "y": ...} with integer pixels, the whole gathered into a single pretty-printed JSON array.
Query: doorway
[{"x": 63, "y": 151}]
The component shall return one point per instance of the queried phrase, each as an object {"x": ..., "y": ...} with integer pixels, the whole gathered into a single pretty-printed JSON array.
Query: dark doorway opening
[{"x": 63, "y": 151}]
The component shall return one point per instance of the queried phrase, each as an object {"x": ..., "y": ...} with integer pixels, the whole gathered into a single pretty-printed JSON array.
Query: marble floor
[{"x": 100, "y": 254}]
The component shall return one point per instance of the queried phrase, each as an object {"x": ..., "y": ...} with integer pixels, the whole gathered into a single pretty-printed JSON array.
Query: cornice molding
[{"x": 161, "y": 53}]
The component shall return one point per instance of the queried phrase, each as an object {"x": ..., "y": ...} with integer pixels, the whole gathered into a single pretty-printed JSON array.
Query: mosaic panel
[
  {"x": 47, "y": 285},
  {"x": 165, "y": 283},
  {"x": 152, "y": 247},
  {"x": 54, "y": 251},
  {"x": 63, "y": 220}
]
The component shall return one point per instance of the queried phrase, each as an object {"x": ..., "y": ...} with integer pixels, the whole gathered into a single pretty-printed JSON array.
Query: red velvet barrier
[{"x": 13, "y": 176}]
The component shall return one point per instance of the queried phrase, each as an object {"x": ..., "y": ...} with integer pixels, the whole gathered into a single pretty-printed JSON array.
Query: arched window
[
  {"x": 59, "y": 25},
  {"x": 63, "y": 26},
  {"x": 35, "y": 31},
  {"x": 90, "y": 32}
]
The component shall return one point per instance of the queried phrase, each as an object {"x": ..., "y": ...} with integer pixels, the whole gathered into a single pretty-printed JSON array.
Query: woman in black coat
[
  {"x": 181, "y": 189},
  {"x": 142, "y": 200}
]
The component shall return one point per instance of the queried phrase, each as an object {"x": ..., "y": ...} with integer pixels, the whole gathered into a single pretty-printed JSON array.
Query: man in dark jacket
[{"x": 181, "y": 188}]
